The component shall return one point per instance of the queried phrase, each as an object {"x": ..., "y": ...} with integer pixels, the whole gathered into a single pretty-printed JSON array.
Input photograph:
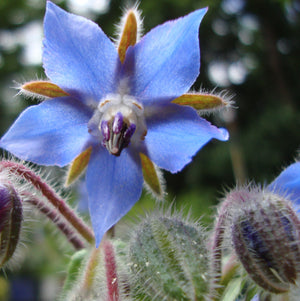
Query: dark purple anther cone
[
  {"x": 105, "y": 130},
  {"x": 117, "y": 123},
  {"x": 129, "y": 132}
]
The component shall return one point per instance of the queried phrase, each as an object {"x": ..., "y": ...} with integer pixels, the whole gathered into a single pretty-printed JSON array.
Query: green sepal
[
  {"x": 75, "y": 266},
  {"x": 43, "y": 88},
  {"x": 202, "y": 101},
  {"x": 151, "y": 177},
  {"x": 78, "y": 166}
]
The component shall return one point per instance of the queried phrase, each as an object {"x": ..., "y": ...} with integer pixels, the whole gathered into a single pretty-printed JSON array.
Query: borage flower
[
  {"x": 115, "y": 109},
  {"x": 287, "y": 184}
]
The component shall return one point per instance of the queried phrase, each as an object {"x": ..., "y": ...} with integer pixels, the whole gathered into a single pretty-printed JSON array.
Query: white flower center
[{"x": 118, "y": 121}]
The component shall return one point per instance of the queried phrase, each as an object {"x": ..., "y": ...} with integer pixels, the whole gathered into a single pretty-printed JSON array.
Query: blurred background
[{"x": 248, "y": 48}]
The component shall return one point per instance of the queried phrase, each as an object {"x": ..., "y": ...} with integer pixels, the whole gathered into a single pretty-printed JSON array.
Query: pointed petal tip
[
  {"x": 113, "y": 191},
  {"x": 224, "y": 134},
  {"x": 70, "y": 40},
  {"x": 57, "y": 140},
  {"x": 175, "y": 136},
  {"x": 287, "y": 183},
  {"x": 168, "y": 58},
  {"x": 50, "y": 4},
  {"x": 98, "y": 240}
]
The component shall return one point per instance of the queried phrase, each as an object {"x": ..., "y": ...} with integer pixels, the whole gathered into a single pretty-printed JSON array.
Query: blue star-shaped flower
[
  {"x": 118, "y": 106},
  {"x": 288, "y": 184}
]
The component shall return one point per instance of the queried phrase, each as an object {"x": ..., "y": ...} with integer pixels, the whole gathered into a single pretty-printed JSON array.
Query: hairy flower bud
[
  {"x": 266, "y": 238},
  {"x": 168, "y": 260},
  {"x": 10, "y": 221}
]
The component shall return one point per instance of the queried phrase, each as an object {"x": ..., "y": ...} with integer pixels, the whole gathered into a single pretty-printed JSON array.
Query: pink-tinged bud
[{"x": 11, "y": 215}]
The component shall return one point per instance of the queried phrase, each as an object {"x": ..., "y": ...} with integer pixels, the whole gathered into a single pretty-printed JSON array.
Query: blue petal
[
  {"x": 77, "y": 55},
  {"x": 176, "y": 134},
  {"x": 288, "y": 183},
  {"x": 166, "y": 61},
  {"x": 114, "y": 185},
  {"x": 255, "y": 298},
  {"x": 51, "y": 133}
]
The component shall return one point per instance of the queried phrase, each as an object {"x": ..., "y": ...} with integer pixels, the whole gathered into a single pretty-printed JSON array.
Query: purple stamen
[
  {"x": 117, "y": 123},
  {"x": 116, "y": 134},
  {"x": 104, "y": 143},
  {"x": 129, "y": 132},
  {"x": 105, "y": 130}
]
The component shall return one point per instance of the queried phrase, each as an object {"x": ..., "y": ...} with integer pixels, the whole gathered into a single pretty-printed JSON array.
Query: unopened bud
[
  {"x": 266, "y": 238},
  {"x": 11, "y": 214},
  {"x": 168, "y": 260}
]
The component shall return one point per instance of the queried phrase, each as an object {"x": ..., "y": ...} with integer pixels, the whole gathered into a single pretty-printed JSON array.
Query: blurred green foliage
[{"x": 249, "y": 48}]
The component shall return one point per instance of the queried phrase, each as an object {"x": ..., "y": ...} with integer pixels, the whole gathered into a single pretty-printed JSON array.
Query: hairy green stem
[{"x": 217, "y": 251}]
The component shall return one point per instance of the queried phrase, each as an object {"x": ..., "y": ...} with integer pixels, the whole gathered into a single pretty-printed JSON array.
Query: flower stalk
[
  {"x": 53, "y": 215},
  {"x": 91, "y": 268},
  {"x": 217, "y": 252},
  {"x": 61, "y": 206},
  {"x": 111, "y": 271}
]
